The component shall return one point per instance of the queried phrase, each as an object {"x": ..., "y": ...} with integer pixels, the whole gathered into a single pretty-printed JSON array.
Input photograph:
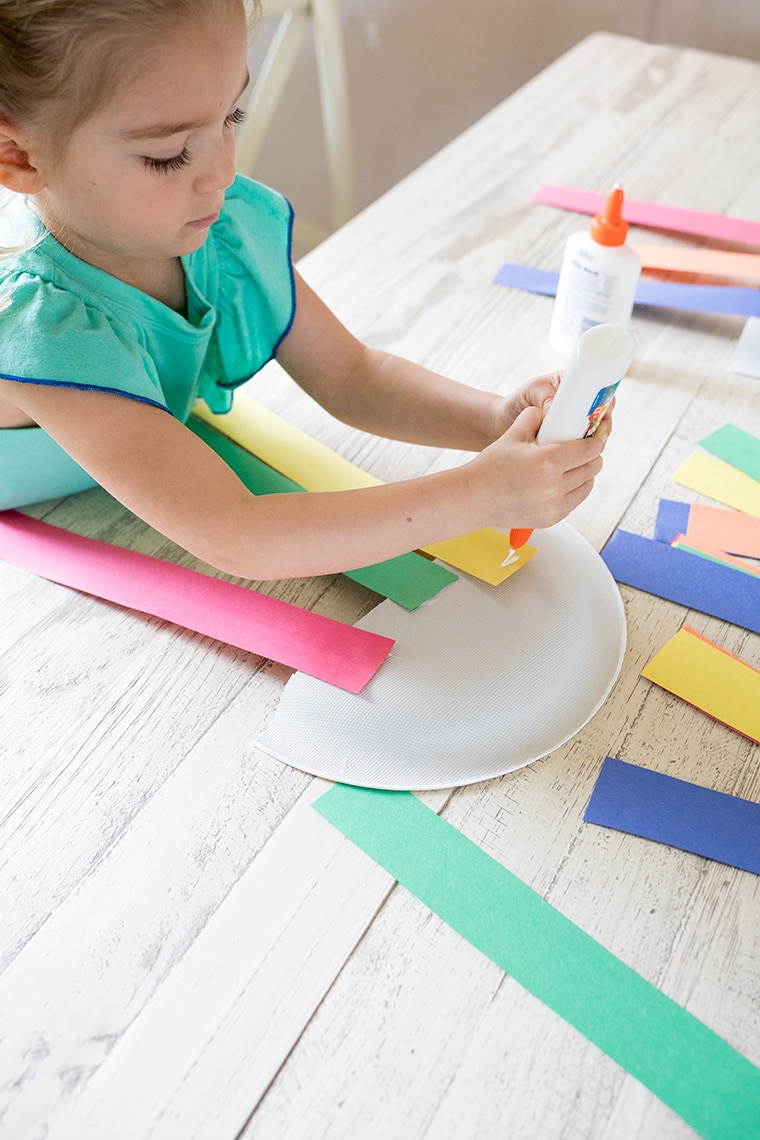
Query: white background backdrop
[{"x": 420, "y": 71}]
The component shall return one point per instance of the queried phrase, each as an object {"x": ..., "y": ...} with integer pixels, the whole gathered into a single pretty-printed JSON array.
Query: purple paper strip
[
  {"x": 655, "y": 806},
  {"x": 730, "y": 299},
  {"x": 699, "y": 583},
  {"x": 672, "y": 520}
]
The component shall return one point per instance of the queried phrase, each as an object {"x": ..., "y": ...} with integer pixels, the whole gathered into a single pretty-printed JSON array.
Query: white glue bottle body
[
  {"x": 598, "y": 363},
  {"x": 598, "y": 277}
]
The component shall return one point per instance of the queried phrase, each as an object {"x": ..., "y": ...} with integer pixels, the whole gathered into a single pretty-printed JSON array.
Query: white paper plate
[{"x": 482, "y": 679}]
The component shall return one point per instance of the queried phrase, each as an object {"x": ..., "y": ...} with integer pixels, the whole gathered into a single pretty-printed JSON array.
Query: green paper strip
[
  {"x": 696, "y": 1073},
  {"x": 736, "y": 447},
  {"x": 409, "y": 580},
  {"x": 713, "y": 558}
]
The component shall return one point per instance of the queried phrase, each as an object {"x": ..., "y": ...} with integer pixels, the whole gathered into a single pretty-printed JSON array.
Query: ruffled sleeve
[
  {"x": 245, "y": 271},
  {"x": 50, "y": 336}
]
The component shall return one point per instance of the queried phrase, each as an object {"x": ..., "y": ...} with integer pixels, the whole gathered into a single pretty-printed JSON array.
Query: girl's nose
[{"x": 219, "y": 170}]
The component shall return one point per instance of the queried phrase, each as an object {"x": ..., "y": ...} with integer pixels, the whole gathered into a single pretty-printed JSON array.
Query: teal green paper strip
[
  {"x": 257, "y": 476},
  {"x": 714, "y": 558},
  {"x": 409, "y": 580},
  {"x": 696, "y": 1073},
  {"x": 736, "y": 447}
]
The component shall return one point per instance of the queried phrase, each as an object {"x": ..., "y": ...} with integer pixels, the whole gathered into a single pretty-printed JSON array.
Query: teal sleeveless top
[{"x": 64, "y": 322}]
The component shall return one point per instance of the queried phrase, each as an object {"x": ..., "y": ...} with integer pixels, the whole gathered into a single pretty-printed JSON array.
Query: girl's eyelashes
[
  {"x": 164, "y": 165},
  {"x": 177, "y": 161}
]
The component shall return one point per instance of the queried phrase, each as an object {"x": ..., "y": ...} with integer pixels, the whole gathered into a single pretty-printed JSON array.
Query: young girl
[{"x": 146, "y": 275}]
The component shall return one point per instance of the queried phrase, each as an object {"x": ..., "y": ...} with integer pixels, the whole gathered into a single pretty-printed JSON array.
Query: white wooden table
[{"x": 187, "y": 948}]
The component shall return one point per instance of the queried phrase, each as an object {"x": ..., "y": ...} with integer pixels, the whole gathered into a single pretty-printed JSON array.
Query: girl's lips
[{"x": 203, "y": 223}]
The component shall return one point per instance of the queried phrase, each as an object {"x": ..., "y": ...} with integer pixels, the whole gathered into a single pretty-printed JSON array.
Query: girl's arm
[
  {"x": 161, "y": 471},
  {"x": 167, "y": 476},
  {"x": 389, "y": 396}
]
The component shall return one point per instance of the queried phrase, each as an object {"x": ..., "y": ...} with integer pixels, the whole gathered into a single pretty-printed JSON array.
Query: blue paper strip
[
  {"x": 660, "y": 807},
  {"x": 528, "y": 278},
  {"x": 672, "y": 520},
  {"x": 699, "y": 583},
  {"x": 663, "y": 294}
]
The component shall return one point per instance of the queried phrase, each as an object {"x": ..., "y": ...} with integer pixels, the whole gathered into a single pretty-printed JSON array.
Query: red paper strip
[{"x": 324, "y": 648}]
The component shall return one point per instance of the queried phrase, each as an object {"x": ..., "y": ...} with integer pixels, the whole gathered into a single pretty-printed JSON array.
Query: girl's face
[{"x": 144, "y": 178}]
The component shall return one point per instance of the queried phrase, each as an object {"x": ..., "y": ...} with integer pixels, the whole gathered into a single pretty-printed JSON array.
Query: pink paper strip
[
  {"x": 650, "y": 214},
  {"x": 324, "y": 648}
]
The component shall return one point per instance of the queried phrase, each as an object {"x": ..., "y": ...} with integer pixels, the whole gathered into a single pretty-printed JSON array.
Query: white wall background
[{"x": 420, "y": 71}]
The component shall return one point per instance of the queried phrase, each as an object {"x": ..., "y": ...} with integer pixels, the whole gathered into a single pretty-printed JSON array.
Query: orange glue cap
[
  {"x": 518, "y": 537},
  {"x": 608, "y": 228}
]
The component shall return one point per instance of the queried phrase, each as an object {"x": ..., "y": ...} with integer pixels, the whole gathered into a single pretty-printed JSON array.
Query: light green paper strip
[
  {"x": 696, "y": 1073},
  {"x": 714, "y": 558},
  {"x": 736, "y": 447}
]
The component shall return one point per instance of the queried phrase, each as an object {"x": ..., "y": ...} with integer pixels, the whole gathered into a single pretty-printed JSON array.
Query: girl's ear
[{"x": 16, "y": 170}]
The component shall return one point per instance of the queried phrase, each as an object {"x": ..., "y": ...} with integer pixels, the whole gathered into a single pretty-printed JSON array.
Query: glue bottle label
[{"x": 601, "y": 403}]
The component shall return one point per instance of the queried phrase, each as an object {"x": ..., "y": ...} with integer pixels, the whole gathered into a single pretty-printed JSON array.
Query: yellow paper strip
[
  {"x": 716, "y": 262},
  {"x": 721, "y": 482},
  {"x": 711, "y": 679},
  {"x": 286, "y": 448},
  {"x": 294, "y": 453}
]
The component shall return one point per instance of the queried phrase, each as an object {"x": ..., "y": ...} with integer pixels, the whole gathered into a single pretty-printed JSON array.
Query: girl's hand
[
  {"x": 535, "y": 393},
  {"x": 515, "y": 482}
]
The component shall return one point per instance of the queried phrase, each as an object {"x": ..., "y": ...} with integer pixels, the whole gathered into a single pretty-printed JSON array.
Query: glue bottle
[
  {"x": 598, "y": 363},
  {"x": 598, "y": 278}
]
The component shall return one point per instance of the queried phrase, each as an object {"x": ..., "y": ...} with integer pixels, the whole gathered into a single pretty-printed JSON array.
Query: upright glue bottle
[{"x": 598, "y": 278}]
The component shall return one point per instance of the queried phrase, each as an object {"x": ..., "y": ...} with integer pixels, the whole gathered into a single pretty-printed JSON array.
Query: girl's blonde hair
[{"x": 61, "y": 60}]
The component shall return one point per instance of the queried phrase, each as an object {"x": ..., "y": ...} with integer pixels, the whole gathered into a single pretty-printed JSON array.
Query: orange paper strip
[
  {"x": 733, "y": 532},
  {"x": 715, "y": 262},
  {"x": 714, "y": 552}
]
